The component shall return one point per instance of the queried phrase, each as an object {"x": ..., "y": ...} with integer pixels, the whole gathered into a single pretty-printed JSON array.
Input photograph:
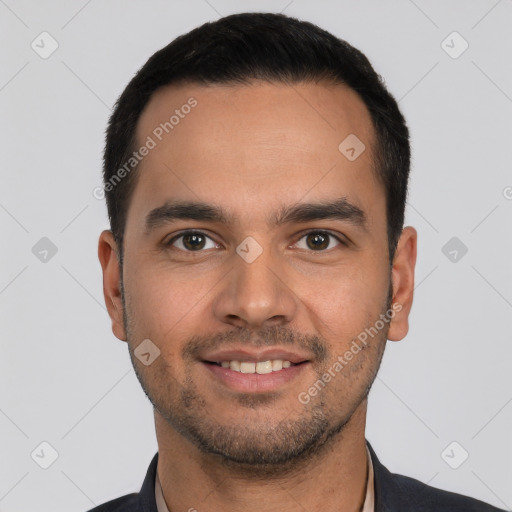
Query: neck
[{"x": 332, "y": 479}]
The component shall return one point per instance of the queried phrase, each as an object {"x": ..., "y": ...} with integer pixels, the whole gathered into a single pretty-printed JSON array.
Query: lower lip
[{"x": 255, "y": 382}]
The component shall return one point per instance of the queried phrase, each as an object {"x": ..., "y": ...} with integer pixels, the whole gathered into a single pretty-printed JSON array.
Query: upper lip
[{"x": 245, "y": 354}]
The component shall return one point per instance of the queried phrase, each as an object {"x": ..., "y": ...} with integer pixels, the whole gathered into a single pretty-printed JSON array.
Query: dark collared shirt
[{"x": 392, "y": 493}]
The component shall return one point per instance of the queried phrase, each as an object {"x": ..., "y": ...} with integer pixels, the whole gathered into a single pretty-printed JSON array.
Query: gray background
[{"x": 66, "y": 380}]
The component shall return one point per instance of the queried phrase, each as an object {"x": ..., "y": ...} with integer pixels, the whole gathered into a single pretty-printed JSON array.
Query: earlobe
[
  {"x": 107, "y": 254},
  {"x": 402, "y": 275}
]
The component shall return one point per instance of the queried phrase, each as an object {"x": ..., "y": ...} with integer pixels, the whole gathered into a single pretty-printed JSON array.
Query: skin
[{"x": 253, "y": 149}]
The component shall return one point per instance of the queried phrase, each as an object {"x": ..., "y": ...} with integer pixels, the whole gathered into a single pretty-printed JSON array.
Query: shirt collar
[
  {"x": 369, "y": 501},
  {"x": 368, "y": 506}
]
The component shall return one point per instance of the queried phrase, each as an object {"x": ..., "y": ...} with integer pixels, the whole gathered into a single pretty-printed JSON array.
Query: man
[{"x": 256, "y": 176}]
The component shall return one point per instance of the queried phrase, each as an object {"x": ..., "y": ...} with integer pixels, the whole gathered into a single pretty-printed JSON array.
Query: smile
[
  {"x": 255, "y": 376},
  {"x": 260, "y": 367}
]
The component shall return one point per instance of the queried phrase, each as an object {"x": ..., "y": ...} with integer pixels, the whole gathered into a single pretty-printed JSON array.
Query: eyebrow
[{"x": 338, "y": 209}]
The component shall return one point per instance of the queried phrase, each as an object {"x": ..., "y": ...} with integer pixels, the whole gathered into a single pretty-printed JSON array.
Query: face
[{"x": 253, "y": 301}]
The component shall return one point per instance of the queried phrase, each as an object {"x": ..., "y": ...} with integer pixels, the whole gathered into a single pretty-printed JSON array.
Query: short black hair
[{"x": 241, "y": 48}]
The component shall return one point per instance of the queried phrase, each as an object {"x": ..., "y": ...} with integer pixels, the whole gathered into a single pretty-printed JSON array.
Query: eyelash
[{"x": 197, "y": 232}]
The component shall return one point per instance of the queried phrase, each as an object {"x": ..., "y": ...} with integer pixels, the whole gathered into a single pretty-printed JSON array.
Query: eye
[
  {"x": 196, "y": 241},
  {"x": 319, "y": 241},
  {"x": 191, "y": 241}
]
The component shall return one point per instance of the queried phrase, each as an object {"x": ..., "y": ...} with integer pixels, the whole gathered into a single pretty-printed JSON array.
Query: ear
[
  {"x": 402, "y": 276},
  {"x": 108, "y": 256}
]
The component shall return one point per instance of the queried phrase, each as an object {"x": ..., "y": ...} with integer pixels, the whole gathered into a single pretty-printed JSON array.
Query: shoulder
[
  {"x": 134, "y": 501},
  {"x": 426, "y": 497},
  {"x": 122, "y": 504},
  {"x": 399, "y": 493}
]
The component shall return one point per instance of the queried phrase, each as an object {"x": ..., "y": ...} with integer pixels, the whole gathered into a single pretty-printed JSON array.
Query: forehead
[
  {"x": 313, "y": 116},
  {"x": 255, "y": 145}
]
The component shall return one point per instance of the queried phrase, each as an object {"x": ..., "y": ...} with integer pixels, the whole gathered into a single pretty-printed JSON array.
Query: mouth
[
  {"x": 252, "y": 371},
  {"x": 259, "y": 367}
]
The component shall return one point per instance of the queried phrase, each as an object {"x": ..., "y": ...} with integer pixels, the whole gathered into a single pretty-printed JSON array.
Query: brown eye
[
  {"x": 319, "y": 240},
  {"x": 191, "y": 241}
]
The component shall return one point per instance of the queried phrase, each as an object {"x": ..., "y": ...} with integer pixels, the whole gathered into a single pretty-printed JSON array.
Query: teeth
[
  {"x": 277, "y": 365},
  {"x": 246, "y": 367},
  {"x": 261, "y": 367},
  {"x": 264, "y": 367}
]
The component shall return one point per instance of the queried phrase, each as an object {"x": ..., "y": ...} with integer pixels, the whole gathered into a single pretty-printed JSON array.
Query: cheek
[
  {"x": 158, "y": 300},
  {"x": 347, "y": 302},
  {"x": 160, "y": 311}
]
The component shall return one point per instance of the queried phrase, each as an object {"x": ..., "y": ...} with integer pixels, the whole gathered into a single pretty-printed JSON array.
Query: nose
[{"x": 255, "y": 294}]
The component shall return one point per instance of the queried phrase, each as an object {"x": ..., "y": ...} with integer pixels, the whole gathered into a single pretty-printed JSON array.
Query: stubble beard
[{"x": 258, "y": 449}]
